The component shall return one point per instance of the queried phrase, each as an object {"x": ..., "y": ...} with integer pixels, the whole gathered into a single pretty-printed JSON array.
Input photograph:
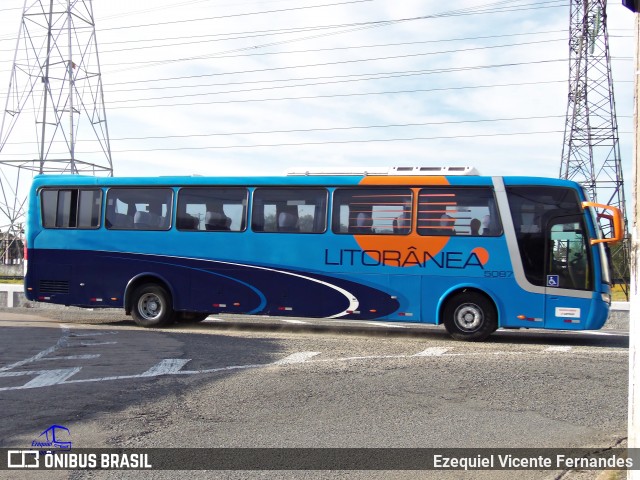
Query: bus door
[{"x": 568, "y": 272}]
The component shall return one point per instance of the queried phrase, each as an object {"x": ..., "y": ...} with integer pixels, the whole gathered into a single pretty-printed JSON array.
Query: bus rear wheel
[
  {"x": 470, "y": 316},
  {"x": 151, "y": 306}
]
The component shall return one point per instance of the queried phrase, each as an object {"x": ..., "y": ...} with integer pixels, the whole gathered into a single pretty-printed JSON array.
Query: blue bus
[{"x": 415, "y": 244}]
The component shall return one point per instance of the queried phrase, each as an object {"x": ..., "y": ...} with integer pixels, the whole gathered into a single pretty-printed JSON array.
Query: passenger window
[
  {"x": 71, "y": 208},
  {"x": 458, "y": 211},
  {"x": 139, "y": 208},
  {"x": 89, "y": 208},
  {"x": 289, "y": 210},
  {"x": 368, "y": 211},
  {"x": 212, "y": 208}
]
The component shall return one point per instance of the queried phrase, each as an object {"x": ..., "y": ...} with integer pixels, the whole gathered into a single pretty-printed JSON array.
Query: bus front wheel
[
  {"x": 151, "y": 306},
  {"x": 470, "y": 316}
]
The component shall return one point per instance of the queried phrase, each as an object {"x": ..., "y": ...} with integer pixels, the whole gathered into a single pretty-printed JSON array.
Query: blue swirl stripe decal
[{"x": 210, "y": 285}]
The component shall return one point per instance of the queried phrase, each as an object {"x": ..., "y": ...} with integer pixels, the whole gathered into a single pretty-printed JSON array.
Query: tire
[
  {"x": 470, "y": 316},
  {"x": 189, "y": 317},
  {"x": 151, "y": 306}
]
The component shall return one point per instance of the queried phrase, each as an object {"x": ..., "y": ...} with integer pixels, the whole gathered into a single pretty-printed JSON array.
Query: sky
[{"x": 245, "y": 87}]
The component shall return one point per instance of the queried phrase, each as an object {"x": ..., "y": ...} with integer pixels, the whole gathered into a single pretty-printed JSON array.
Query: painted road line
[
  {"x": 70, "y": 357},
  {"x": 561, "y": 348},
  {"x": 51, "y": 377},
  {"x": 173, "y": 366},
  {"x": 384, "y": 324},
  {"x": 432, "y": 352},
  {"x": 93, "y": 334},
  {"x": 365, "y": 357},
  {"x": 299, "y": 357},
  {"x": 167, "y": 366},
  {"x": 62, "y": 342},
  {"x": 299, "y": 322}
]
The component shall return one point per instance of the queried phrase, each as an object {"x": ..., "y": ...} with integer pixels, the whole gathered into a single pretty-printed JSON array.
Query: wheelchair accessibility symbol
[{"x": 553, "y": 281}]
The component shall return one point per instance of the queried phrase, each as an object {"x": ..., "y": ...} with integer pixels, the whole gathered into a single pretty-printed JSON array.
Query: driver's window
[{"x": 569, "y": 259}]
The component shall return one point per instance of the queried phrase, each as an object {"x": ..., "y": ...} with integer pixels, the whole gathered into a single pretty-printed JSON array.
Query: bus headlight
[{"x": 606, "y": 297}]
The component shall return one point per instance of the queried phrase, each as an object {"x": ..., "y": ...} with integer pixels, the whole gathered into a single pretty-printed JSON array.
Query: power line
[
  {"x": 327, "y": 142},
  {"x": 310, "y": 97},
  {"x": 185, "y": 77},
  {"x": 483, "y": 9},
  {"x": 376, "y": 77},
  {"x": 206, "y": 39},
  {"x": 167, "y": 7},
  {"x": 456, "y": 69},
  {"x": 222, "y": 55},
  {"x": 326, "y": 129},
  {"x": 489, "y": 8},
  {"x": 496, "y": 7},
  {"x": 271, "y": 69},
  {"x": 341, "y": 142},
  {"x": 221, "y": 17},
  {"x": 350, "y": 28},
  {"x": 478, "y": 10}
]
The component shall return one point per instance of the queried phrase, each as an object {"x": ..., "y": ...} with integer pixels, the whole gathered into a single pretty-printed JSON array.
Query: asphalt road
[{"x": 247, "y": 382}]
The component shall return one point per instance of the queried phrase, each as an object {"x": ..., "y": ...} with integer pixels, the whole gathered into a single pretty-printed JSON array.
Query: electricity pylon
[
  {"x": 591, "y": 151},
  {"x": 56, "y": 77}
]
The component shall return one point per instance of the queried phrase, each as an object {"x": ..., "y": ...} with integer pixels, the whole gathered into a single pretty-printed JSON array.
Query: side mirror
[{"x": 614, "y": 218}]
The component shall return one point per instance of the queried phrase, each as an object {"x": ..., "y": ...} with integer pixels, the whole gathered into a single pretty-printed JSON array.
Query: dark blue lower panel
[{"x": 89, "y": 278}]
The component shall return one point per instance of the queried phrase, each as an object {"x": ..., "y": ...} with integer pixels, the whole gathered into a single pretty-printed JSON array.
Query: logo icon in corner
[{"x": 56, "y": 436}]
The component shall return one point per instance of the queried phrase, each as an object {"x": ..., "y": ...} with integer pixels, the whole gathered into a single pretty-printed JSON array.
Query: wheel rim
[
  {"x": 150, "y": 306},
  {"x": 469, "y": 317}
]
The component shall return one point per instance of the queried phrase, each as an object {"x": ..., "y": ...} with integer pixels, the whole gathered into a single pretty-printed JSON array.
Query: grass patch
[{"x": 617, "y": 293}]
